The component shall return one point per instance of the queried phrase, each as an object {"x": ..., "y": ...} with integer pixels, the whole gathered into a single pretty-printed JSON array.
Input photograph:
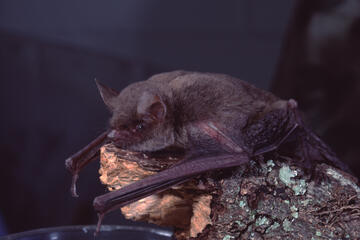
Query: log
[{"x": 267, "y": 199}]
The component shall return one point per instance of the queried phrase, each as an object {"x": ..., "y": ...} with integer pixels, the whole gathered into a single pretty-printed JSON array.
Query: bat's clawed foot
[
  {"x": 69, "y": 164},
  {"x": 73, "y": 185},
  {"x": 71, "y": 167}
]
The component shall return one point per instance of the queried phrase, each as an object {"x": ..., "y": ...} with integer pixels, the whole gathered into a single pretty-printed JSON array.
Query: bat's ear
[
  {"x": 107, "y": 94},
  {"x": 151, "y": 107}
]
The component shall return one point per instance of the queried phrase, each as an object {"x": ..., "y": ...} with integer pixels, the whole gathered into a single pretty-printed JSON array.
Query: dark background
[{"x": 50, "y": 53}]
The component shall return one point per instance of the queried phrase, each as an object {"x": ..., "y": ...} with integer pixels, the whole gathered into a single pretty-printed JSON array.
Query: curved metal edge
[{"x": 88, "y": 228}]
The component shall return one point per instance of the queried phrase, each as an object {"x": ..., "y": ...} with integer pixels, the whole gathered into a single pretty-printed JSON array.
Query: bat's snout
[
  {"x": 119, "y": 137},
  {"x": 116, "y": 135}
]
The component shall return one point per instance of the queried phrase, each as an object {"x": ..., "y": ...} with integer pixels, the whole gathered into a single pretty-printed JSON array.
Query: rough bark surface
[{"x": 270, "y": 199}]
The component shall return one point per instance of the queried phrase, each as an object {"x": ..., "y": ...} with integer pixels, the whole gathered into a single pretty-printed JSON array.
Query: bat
[{"x": 209, "y": 121}]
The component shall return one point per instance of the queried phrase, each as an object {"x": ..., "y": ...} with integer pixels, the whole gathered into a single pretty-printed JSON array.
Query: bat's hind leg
[
  {"x": 277, "y": 144},
  {"x": 305, "y": 147},
  {"x": 273, "y": 129}
]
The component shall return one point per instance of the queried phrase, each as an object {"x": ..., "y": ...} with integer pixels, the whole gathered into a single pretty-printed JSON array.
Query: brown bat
[{"x": 212, "y": 121}]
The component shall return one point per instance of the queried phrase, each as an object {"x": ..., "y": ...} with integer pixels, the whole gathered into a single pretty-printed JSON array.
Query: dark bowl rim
[{"x": 88, "y": 228}]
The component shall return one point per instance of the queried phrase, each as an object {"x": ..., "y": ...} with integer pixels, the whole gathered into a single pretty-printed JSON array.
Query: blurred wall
[
  {"x": 319, "y": 66},
  {"x": 50, "y": 53},
  {"x": 241, "y": 38}
]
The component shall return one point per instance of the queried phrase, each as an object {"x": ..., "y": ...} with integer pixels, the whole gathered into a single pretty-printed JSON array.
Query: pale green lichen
[
  {"x": 285, "y": 175},
  {"x": 274, "y": 226},
  {"x": 239, "y": 223},
  {"x": 343, "y": 181},
  {"x": 261, "y": 221},
  {"x": 293, "y": 208},
  {"x": 242, "y": 204},
  {"x": 294, "y": 211},
  {"x": 237, "y": 190},
  {"x": 286, "y": 225},
  {"x": 228, "y": 237},
  {"x": 252, "y": 215},
  {"x": 270, "y": 164},
  {"x": 305, "y": 202},
  {"x": 318, "y": 233},
  {"x": 300, "y": 187},
  {"x": 295, "y": 214}
]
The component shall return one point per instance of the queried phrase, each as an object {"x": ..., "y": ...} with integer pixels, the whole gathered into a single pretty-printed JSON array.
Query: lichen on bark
[
  {"x": 279, "y": 201},
  {"x": 267, "y": 199}
]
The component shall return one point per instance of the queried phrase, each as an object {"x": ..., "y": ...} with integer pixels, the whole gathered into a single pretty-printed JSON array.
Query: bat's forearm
[
  {"x": 213, "y": 131},
  {"x": 80, "y": 159},
  {"x": 165, "y": 179}
]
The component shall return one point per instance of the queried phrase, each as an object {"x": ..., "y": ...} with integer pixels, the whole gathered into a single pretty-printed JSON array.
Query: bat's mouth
[
  {"x": 123, "y": 139},
  {"x": 151, "y": 161}
]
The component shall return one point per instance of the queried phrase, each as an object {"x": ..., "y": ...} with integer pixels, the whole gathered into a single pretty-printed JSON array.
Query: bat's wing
[
  {"x": 165, "y": 179},
  {"x": 311, "y": 149}
]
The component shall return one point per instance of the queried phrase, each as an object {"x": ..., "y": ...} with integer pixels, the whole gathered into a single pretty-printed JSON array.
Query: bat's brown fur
[
  {"x": 189, "y": 97},
  {"x": 213, "y": 120}
]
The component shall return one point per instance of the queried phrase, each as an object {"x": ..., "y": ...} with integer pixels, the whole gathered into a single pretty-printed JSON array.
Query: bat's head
[{"x": 141, "y": 119}]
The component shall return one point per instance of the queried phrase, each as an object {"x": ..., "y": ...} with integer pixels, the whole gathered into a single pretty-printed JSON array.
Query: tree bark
[{"x": 267, "y": 199}]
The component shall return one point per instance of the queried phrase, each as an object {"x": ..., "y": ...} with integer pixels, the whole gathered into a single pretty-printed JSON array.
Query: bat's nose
[
  {"x": 116, "y": 135},
  {"x": 120, "y": 137},
  {"x": 112, "y": 134}
]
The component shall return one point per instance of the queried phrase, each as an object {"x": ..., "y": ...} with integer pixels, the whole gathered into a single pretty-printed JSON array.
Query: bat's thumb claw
[
  {"x": 68, "y": 163},
  {"x": 99, "y": 205},
  {"x": 73, "y": 185},
  {"x": 100, "y": 219}
]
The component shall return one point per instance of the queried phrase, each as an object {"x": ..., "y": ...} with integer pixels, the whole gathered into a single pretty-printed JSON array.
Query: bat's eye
[{"x": 139, "y": 126}]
